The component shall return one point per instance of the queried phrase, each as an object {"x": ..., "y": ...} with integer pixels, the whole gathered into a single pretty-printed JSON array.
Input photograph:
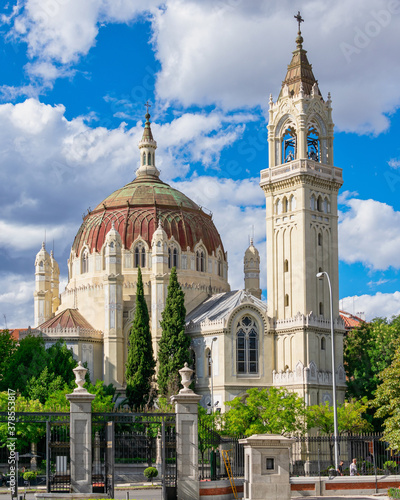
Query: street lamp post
[
  {"x": 335, "y": 423},
  {"x": 212, "y": 374}
]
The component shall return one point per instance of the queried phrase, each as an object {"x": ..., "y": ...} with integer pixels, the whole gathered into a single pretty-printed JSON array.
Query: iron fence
[
  {"x": 211, "y": 446},
  {"x": 314, "y": 455}
]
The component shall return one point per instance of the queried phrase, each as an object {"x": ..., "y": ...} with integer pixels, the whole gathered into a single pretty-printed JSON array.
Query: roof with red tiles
[
  {"x": 16, "y": 332},
  {"x": 350, "y": 321},
  {"x": 136, "y": 209},
  {"x": 69, "y": 318}
]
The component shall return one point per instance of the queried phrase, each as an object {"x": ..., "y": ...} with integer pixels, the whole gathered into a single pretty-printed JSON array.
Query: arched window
[
  {"x": 175, "y": 258},
  {"x": 313, "y": 150},
  {"x": 319, "y": 204},
  {"x": 246, "y": 346},
  {"x": 323, "y": 344},
  {"x": 286, "y": 266},
  {"x": 219, "y": 264},
  {"x": 278, "y": 208},
  {"x": 321, "y": 309},
  {"x": 312, "y": 202},
  {"x": 319, "y": 239},
  {"x": 41, "y": 265},
  {"x": 144, "y": 158},
  {"x": 289, "y": 145},
  {"x": 285, "y": 205},
  {"x": 292, "y": 203},
  {"x": 143, "y": 252},
  {"x": 286, "y": 300},
  {"x": 137, "y": 257},
  {"x": 325, "y": 206},
  {"x": 200, "y": 261},
  {"x": 148, "y": 158},
  {"x": 85, "y": 262}
]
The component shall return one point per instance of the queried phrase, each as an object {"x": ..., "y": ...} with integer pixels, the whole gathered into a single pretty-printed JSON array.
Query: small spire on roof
[{"x": 299, "y": 39}]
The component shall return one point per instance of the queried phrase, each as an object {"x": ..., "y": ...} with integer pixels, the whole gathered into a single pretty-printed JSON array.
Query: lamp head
[
  {"x": 214, "y": 339},
  {"x": 320, "y": 275}
]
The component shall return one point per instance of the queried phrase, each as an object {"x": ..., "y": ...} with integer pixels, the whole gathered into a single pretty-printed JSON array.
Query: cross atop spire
[
  {"x": 299, "y": 20},
  {"x": 148, "y": 105}
]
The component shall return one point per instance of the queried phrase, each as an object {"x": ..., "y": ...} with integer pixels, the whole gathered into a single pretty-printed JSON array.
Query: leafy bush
[
  {"x": 390, "y": 465},
  {"x": 394, "y": 493},
  {"x": 29, "y": 475},
  {"x": 150, "y": 473}
]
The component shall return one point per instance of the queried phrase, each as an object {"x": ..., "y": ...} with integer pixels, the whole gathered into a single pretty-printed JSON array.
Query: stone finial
[
  {"x": 186, "y": 376},
  {"x": 80, "y": 372}
]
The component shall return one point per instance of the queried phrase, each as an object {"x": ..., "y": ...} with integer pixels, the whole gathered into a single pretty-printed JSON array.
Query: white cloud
[
  {"x": 16, "y": 300},
  {"x": 23, "y": 237},
  {"x": 383, "y": 305},
  {"x": 230, "y": 56},
  {"x": 227, "y": 52},
  {"x": 237, "y": 206},
  {"x": 394, "y": 163},
  {"x": 369, "y": 232}
]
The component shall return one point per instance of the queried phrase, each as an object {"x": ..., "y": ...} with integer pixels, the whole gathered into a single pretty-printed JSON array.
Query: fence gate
[
  {"x": 133, "y": 441},
  {"x": 58, "y": 456}
]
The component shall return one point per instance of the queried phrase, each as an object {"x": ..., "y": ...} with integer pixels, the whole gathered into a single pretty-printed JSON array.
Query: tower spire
[
  {"x": 147, "y": 148},
  {"x": 299, "y": 75}
]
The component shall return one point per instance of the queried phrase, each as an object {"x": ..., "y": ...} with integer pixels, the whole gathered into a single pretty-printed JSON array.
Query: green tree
[
  {"x": 173, "y": 348},
  {"x": 368, "y": 350},
  {"x": 44, "y": 385},
  {"x": 7, "y": 348},
  {"x": 61, "y": 362},
  {"x": 27, "y": 361},
  {"x": 351, "y": 417},
  {"x": 387, "y": 402},
  {"x": 269, "y": 410},
  {"x": 140, "y": 364}
]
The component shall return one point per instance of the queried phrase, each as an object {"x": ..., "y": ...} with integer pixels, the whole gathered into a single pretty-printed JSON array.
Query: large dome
[{"x": 135, "y": 211}]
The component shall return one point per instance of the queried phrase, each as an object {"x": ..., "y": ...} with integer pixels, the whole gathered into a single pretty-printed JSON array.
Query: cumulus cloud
[
  {"x": 394, "y": 163},
  {"x": 369, "y": 232},
  {"x": 225, "y": 53},
  {"x": 205, "y": 59},
  {"x": 16, "y": 300},
  {"x": 380, "y": 305},
  {"x": 238, "y": 208}
]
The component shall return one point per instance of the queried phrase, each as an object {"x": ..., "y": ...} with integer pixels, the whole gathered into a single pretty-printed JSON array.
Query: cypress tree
[
  {"x": 173, "y": 348},
  {"x": 140, "y": 364}
]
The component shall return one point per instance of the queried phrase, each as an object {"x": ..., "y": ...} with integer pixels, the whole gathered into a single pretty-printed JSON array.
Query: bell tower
[{"x": 301, "y": 187}]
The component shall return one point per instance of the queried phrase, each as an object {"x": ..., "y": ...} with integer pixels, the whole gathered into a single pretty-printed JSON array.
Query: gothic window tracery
[
  {"x": 289, "y": 145},
  {"x": 278, "y": 207},
  {"x": 149, "y": 158},
  {"x": 172, "y": 257},
  {"x": 247, "y": 346},
  {"x": 140, "y": 256},
  {"x": 144, "y": 158},
  {"x": 200, "y": 260},
  {"x": 313, "y": 144},
  {"x": 285, "y": 205}
]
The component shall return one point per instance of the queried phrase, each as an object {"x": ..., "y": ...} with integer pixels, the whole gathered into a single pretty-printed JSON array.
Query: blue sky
[{"x": 74, "y": 79}]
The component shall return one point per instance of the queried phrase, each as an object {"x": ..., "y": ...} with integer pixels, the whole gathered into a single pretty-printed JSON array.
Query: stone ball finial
[{"x": 186, "y": 376}]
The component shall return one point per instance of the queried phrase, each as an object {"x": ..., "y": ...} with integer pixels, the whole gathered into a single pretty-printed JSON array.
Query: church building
[{"x": 238, "y": 340}]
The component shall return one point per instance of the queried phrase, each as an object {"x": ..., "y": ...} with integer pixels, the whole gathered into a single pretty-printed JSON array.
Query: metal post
[
  {"x": 48, "y": 458},
  {"x": 163, "y": 458},
  {"x": 212, "y": 375},
  {"x": 335, "y": 423}
]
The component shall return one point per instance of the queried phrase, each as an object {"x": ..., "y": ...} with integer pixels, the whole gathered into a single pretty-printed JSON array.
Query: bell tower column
[
  {"x": 301, "y": 187},
  {"x": 114, "y": 359}
]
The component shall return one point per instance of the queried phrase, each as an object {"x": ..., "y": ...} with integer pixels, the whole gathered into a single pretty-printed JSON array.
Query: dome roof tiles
[{"x": 135, "y": 210}]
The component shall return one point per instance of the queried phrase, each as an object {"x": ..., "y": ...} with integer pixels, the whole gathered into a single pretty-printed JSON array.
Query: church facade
[{"x": 238, "y": 340}]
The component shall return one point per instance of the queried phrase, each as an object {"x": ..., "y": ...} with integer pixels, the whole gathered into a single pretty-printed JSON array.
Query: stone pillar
[
  {"x": 187, "y": 452},
  {"x": 81, "y": 434},
  {"x": 266, "y": 468}
]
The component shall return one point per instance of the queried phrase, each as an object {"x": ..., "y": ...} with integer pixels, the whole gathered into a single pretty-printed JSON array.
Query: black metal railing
[
  {"x": 211, "y": 446},
  {"x": 315, "y": 455}
]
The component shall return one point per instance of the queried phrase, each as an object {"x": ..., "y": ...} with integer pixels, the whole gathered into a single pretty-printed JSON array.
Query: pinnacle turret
[{"x": 147, "y": 148}]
